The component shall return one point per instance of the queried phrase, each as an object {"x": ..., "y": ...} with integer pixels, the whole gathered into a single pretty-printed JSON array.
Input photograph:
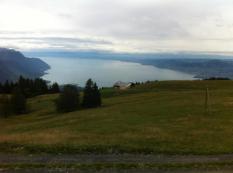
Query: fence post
[{"x": 207, "y": 100}]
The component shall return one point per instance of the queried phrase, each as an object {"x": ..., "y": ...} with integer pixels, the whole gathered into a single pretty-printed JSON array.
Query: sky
[{"x": 118, "y": 25}]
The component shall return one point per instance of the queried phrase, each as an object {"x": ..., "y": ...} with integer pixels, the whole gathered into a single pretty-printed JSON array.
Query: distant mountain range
[
  {"x": 13, "y": 64},
  {"x": 200, "y": 65},
  {"x": 200, "y": 68}
]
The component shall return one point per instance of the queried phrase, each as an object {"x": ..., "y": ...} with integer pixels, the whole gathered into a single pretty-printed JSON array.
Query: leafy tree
[
  {"x": 68, "y": 100},
  {"x": 92, "y": 96},
  {"x": 18, "y": 102}
]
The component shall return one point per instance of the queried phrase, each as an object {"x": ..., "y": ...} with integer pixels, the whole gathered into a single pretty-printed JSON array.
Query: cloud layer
[{"x": 118, "y": 25}]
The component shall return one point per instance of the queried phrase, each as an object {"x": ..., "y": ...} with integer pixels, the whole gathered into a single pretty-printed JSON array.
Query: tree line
[
  {"x": 29, "y": 87},
  {"x": 13, "y": 96},
  {"x": 14, "y": 104}
]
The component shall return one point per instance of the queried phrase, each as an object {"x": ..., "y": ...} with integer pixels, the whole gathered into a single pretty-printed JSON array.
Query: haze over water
[{"x": 105, "y": 72}]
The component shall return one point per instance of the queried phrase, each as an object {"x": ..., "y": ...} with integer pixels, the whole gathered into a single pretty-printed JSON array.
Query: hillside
[
  {"x": 159, "y": 117},
  {"x": 13, "y": 64}
]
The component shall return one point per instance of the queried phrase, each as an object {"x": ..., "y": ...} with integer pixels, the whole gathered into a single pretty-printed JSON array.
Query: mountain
[
  {"x": 200, "y": 68},
  {"x": 13, "y": 64}
]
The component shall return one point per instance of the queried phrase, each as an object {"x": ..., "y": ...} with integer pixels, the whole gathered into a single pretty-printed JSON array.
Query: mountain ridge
[{"x": 13, "y": 64}]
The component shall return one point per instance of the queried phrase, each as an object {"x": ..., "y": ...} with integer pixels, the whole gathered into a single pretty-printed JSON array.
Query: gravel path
[
  {"x": 110, "y": 159},
  {"x": 110, "y": 171},
  {"x": 125, "y": 158}
]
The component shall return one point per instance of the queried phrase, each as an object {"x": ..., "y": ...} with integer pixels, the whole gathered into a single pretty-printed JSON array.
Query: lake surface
[{"x": 105, "y": 72}]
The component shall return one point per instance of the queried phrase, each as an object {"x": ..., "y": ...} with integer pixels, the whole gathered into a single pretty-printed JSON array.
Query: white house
[{"x": 122, "y": 85}]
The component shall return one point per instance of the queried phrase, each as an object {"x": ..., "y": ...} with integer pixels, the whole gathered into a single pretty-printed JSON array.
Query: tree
[
  {"x": 68, "y": 100},
  {"x": 92, "y": 96},
  {"x": 18, "y": 102},
  {"x": 29, "y": 87},
  {"x": 1, "y": 88},
  {"x": 40, "y": 86},
  {"x": 5, "y": 106},
  {"x": 6, "y": 87},
  {"x": 54, "y": 88},
  {"x": 97, "y": 96}
]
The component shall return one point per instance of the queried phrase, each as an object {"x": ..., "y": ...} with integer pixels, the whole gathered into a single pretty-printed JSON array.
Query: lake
[{"x": 105, "y": 72}]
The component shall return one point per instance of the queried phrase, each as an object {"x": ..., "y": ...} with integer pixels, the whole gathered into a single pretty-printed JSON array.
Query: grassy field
[{"x": 161, "y": 117}]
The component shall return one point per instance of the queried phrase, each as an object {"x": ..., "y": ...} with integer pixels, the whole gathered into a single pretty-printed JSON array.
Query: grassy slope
[{"x": 162, "y": 117}]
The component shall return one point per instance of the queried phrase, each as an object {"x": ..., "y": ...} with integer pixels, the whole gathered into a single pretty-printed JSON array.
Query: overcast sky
[{"x": 118, "y": 25}]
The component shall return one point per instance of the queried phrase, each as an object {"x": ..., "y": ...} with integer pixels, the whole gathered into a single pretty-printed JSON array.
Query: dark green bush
[{"x": 68, "y": 100}]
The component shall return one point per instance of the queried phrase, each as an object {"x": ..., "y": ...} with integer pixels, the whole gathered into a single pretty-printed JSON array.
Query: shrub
[{"x": 68, "y": 100}]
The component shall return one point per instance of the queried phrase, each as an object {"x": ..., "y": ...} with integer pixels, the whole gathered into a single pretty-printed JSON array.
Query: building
[{"x": 122, "y": 85}]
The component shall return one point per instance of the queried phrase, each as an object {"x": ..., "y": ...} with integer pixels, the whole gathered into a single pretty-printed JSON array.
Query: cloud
[
  {"x": 119, "y": 25},
  {"x": 58, "y": 39},
  {"x": 53, "y": 42}
]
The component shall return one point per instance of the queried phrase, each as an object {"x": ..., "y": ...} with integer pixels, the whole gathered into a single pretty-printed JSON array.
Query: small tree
[
  {"x": 18, "y": 102},
  {"x": 68, "y": 100},
  {"x": 92, "y": 97}
]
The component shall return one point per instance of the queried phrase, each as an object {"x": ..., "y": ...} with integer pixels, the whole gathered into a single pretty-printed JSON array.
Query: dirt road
[{"x": 11, "y": 163}]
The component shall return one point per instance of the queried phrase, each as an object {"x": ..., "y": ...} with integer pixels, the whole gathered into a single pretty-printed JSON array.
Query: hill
[
  {"x": 159, "y": 117},
  {"x": 13, "y": 64}
]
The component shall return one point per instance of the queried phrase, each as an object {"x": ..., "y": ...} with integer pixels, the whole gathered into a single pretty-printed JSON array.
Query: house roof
[{"x": 121, "y": 84}]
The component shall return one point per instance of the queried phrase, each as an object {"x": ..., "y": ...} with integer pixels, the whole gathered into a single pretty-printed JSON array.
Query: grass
[{"x": 160, "y": 117}]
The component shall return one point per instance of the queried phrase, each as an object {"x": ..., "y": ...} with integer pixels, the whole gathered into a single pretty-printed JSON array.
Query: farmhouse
[{"x": 122, "y": 85}]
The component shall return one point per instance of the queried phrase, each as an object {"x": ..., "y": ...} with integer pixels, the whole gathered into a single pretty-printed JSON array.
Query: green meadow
[{"x": 166, "y": 117}]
